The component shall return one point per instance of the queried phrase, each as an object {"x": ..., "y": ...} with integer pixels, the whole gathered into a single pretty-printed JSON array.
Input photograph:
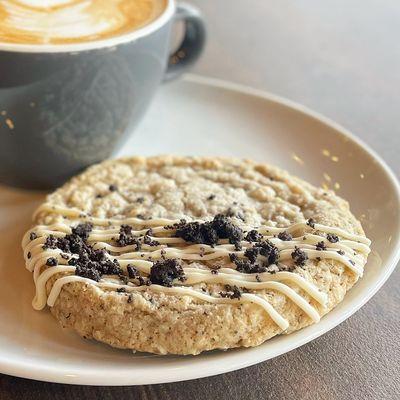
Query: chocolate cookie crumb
[
  {"x": 129, "y": 299},
  {"x": 264, "y": 248},
  {"x": 247, "y": 267},
  {"x": 143, "y": 281},
  {"x": 121, "y": 290},
  {"x": 132, "y": 271},
  {"x": 299, "y": 257},
  {"x": 126, "y": 238},
  {"x": 89, "y": 273},
  {"x": 33, "y": 236},
  {"x": 253, "y": 236},
  {"x": 332, "y": 237},
  {"x": 341, "y": 252},
  {"x": 214, "y": 272},
  {"x": 238, "y": 246},
  {"x": 64, "y": 256},
  {"x": 72, "y": 261},
  {"x": 29, "y": 255},
  {"x": 285, "y": 236},
  {"x": 91, "y": 263},
  {"x": 210, "y": 232},
  {"x": 232, "y": 292},
  {"x": 113, "y": 188},
  {"x": 51, "y": 262},
  {"x": 140, "y": 200},
  {"x": 149, "y": 241},
  {"x": 320, "y": 246},
  {"x": 50, "y": 243},
  {"x": 83, "y": 230},
  {"x": 311, "y": 222},
  {"x": 164, "y": 272},
  {"x": 211, "y": 197}
]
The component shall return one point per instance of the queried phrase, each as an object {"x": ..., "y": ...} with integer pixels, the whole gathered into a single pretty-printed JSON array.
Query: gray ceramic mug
[{"x": 64, "y": 107}]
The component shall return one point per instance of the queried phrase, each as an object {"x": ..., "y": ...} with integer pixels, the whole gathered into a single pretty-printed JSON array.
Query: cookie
[{"x": 180, "y": 255}]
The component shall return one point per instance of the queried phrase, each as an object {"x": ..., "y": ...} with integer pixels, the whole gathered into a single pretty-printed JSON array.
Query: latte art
[{"x": 73, "y": 21}]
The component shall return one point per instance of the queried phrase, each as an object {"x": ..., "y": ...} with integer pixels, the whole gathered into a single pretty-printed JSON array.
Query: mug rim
[{"x": 110, "y": 42}]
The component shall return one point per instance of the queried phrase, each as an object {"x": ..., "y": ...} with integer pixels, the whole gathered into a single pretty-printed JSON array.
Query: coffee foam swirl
[{"x": 72, "y": 21}]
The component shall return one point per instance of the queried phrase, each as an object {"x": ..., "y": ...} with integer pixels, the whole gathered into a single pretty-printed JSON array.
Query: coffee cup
[{"x": 68, "y": 103}]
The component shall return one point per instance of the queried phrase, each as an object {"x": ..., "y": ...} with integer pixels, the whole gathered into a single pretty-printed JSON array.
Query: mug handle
[{"x": 192, "y": 44}]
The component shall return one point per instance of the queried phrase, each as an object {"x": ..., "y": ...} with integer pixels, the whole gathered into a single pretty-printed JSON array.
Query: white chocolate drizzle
[{"x": 351, "y": 250}]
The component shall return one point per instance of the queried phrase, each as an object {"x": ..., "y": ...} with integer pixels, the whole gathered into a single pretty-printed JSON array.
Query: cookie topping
[
  {"x": 259, "y": 255},
  {"x": 320, "y": 246},
  {"x": 132, "y": 271},
  {"x": 211, "y": 197},
  {"x": 332, "y": 238},
  {"x": 113, "y": 188},
  {"x": 253, "y": 236},
  {"x": 164, "y": 272},
  {"x": 285, "y": 236},
  {"x": 246, "y": 267},
  {"x": 143, "y": 281},
  {"x": 299, "y": 257},
  {"x": 148, "y": 240},
  {"x": 232, "y": 292},
  {"x": 311, "y": 222},
  {"x": 83, "y": 230},
  {"x": 51, "y": 262},
  {"x": 210, "y": 232},
  {"x": 50, "y": 243},
  {"x": 90, "y": 273},
  {"x": 91, "y": 263},
  {"x": 126, "y": 238},
  {"x": 32, "y": 236},
  {"x": 214, "y": 271},
  {"x": 72, "y": 261},
  {"x": 266, "y": 249}
]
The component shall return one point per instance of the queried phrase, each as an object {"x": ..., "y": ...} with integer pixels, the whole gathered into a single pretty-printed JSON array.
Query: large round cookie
[{"x": 186, "y": 254}]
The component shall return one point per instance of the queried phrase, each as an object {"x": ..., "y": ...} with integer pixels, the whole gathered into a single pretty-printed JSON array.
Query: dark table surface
[{"x": 341, "y": 58}]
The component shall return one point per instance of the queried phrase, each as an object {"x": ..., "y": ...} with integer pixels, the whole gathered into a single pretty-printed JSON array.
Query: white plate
[{"x": 202, "y": 116}]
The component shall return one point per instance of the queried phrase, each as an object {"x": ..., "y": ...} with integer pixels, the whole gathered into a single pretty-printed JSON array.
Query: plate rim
[{"x": 28, "y": 370}]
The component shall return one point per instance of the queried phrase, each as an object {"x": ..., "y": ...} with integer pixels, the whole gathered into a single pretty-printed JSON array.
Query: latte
[{"x": 73, "y": 21}]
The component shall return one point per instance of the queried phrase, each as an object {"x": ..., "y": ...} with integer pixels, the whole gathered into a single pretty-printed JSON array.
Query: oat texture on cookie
[{"x": 194, "y": 253}]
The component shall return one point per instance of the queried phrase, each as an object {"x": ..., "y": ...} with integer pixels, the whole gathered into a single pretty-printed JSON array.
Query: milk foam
[
  {"x": 44, "y": 3},
  {"x": 60, "y": 21}
]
